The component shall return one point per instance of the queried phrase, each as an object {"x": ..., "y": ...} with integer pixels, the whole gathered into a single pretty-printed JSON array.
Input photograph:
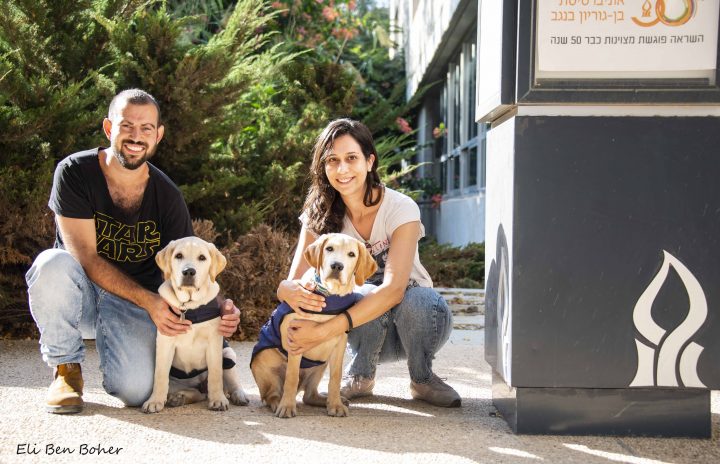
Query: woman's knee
[
  {"x": 371, "y": 333},
  {"x": 422, "y": 305},
  {"x": 423, "y": 314}
]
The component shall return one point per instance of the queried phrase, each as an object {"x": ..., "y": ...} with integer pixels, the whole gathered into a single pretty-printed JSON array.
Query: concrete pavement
[{"x": 389, "y": 427}]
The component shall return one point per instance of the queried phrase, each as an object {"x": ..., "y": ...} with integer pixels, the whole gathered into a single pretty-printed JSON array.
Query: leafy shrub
[
  {"x": 450, "y": 266},
  {"x": 242, "y": 101},
  {"x": 257, "y": 262}
]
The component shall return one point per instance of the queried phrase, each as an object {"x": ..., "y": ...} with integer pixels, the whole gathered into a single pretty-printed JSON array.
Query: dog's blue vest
[
  {"x": 200, "y": 314},
  {"x": 270, "y": 333}
]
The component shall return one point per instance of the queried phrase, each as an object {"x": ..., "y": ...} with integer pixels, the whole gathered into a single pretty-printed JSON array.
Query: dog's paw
[
  {"x": 273, "y": 403},
  {"x": 218, "y": 404},
  {"x": 286, "y": 410},
  {"x": 152, "y": 405},
  {"x": 344, "y": 400},
  {"x": 238, "y": 398},
  {"x": 175, "y": 399},
  {"x": 337, "y": 410}
]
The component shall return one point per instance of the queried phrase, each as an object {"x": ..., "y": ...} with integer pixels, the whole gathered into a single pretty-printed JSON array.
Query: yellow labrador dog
[
  {"x": 340, "y": 262},
  {"x": 195, "y": 358}
]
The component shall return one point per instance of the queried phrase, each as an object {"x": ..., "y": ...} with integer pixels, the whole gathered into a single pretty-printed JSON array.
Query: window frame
[{"x": 456, "y": 153}]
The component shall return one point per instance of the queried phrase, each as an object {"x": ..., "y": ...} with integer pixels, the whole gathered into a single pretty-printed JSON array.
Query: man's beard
[{"x": 123, "y": 159}]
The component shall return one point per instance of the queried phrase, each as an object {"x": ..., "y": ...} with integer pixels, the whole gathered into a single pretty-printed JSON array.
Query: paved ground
[{"x": 389, "y": 427}]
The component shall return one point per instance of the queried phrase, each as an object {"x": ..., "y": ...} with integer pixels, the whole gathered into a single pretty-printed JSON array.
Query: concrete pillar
[{"x": 603, "y": 218}]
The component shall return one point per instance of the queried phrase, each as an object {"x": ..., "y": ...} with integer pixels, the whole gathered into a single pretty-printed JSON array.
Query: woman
[{"x": 403, "y": 317}]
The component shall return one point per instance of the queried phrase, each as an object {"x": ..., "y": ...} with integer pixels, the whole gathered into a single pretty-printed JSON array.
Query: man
[{"x": 113, "y": 211}]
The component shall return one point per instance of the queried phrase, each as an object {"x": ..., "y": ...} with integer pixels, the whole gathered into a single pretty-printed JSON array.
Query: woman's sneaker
[
  {"x": 357, "y": 386},
  {"x": 436, "y": 392}
]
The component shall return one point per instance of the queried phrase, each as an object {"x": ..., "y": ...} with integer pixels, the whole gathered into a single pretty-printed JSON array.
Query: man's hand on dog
[
  {"x": 169, "y": 324},
  {"x": 300, "y": 296},
  {"x": 166, "y": 322},
  {"x": 229, "y": 322}
]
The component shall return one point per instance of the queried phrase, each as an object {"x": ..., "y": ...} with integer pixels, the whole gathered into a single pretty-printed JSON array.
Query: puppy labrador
[
  {"x": 190, "y": 266},
  {"x": 340, "y": 263}
]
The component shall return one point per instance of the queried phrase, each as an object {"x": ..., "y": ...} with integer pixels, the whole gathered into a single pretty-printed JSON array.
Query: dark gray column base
[{"x": 660, "y": 412}]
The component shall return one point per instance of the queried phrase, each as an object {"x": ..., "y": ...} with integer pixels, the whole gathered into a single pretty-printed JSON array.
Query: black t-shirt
[{"x": 80, "y": 191}]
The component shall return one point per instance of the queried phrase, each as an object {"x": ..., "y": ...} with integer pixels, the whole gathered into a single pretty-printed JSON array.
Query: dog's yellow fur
[
  {"x": 201, "y": 346},
  {"x": 279, "y": 378}
]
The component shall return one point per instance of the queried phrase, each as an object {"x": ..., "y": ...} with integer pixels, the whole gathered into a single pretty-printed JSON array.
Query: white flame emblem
[
  {"x": 504, "y": 329},
  {"x": 671, "y": 348}
]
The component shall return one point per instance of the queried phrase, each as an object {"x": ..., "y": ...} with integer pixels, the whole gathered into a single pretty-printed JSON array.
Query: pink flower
[
  {"x": 403, "y": 125},
  {"x": 342, "y": 33},
  {"x": 439, "y": 131},
  {"x": 329, "y": 14},
  {"x": 277, "y": 5},
  {"x": 352, "y": 5},
  {"x": 436, "y": 200}
]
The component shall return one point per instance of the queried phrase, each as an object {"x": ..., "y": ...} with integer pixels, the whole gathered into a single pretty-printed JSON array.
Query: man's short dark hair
[{"x": 133, "y": 96}]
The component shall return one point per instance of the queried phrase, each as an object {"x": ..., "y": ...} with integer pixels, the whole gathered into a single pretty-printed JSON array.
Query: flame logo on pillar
[
  {"x": 668, "y": 349},
  {"x": 503, "y": 300}
]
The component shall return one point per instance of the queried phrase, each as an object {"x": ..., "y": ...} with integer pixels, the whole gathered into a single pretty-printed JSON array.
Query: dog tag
[{"x": 182, "y": 315}]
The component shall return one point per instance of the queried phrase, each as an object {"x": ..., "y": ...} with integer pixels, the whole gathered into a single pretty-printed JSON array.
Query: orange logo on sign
[{"x": 661, "y": 17}]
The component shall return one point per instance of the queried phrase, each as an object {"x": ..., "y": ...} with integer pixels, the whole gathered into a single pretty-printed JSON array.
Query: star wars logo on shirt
[{"x": 122, "y": 243}]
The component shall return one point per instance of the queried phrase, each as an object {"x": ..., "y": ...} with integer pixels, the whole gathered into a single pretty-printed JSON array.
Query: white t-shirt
[{"x": 395, "y": 210}]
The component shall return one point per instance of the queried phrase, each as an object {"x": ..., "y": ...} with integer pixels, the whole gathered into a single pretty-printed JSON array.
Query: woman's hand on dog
[
  {"x": 303, "y": 335},
  {"x": 229, "y": 322},
  {"x": 300, "y": 296},
  {"x": 166, "y": 322}
]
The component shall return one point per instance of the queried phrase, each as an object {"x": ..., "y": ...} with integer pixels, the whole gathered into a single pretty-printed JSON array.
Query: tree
[{"x": 54, "y": 86}]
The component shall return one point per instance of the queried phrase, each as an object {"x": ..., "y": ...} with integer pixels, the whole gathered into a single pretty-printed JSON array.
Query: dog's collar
[
  {"x": 336, "y": 304},
  {"x": 319, "y": 288},
  {"x": 203, "y": 313}
]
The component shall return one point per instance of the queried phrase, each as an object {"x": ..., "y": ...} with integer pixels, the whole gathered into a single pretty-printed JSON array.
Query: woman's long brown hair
[{"x": 323, "y": 205}]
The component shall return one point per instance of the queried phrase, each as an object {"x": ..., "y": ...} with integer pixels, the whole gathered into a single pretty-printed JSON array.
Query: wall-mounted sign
[{"x": 636, "y": 39}]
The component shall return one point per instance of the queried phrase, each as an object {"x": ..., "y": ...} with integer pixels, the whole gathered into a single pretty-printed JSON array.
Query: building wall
[
  {"x": 462, "y": 220},
  {"x": 436, "y": 36},
  {"x": 424, "y": 23}
]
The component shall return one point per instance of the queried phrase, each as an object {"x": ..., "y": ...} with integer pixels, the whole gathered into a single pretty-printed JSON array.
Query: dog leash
[{"x": 319, "y": 287}]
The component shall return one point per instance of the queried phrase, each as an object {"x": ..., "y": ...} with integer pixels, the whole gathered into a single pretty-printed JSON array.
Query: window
[
  {"x": 472, "y": 166},
  {"x": 462, "y": 156}
]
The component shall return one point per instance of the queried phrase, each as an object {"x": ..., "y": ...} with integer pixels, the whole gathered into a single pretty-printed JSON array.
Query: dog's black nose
[
  {"x": 336, "y": 266},
  {"x": 188, "y": 272}
]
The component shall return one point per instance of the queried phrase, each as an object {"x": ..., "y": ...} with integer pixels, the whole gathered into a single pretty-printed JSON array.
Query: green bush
[
  {"x": 242, "y": 101},
  {"x": 460, "y": 267},
  {"x": 54, "y": 91}
]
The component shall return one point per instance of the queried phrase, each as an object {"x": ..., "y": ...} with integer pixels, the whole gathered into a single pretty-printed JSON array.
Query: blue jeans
[
  {"x": 67, "y": 307},
  {"x": 415, "y": 330}
]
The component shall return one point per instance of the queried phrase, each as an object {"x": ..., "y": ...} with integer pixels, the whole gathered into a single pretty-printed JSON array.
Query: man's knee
[
  {"x": 132, "y": 390},
  {"x": 55, "y": 266}
]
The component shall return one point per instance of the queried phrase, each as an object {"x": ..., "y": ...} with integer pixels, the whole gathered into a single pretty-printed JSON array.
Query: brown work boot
[{"x": 65, "y": 393}]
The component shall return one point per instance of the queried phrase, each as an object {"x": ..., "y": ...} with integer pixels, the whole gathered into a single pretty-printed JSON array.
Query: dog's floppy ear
[
  {"x": 313, "y": 253},
  {"x": 218, "y": 261},
  {"x": 366, "y": 265},
  {"x": 164, "y": 257}
]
